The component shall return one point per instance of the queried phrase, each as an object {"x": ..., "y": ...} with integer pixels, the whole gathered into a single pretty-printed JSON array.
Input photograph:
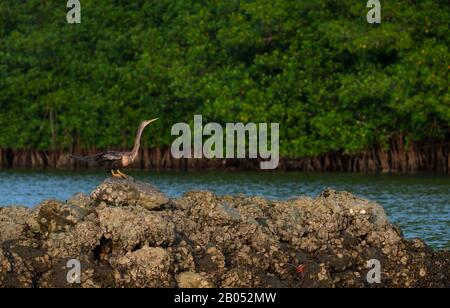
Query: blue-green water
[{"x": 420, "y": 204}]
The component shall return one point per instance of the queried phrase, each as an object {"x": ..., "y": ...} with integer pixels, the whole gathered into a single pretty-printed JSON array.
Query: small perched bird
[{"x": 113, "y": 160}]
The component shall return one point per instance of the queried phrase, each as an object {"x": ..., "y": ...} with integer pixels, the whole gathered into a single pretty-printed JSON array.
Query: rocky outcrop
[
  {"x": 129, "y": 234},
  {"x": 121, "y": 192}
]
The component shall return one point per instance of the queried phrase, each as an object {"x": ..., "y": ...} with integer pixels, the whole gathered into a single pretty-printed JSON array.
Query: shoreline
[{"x": 428, "y": 156}]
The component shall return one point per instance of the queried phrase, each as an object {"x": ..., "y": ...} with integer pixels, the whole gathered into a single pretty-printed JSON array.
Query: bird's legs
[
  {"x": 118, "y": 174},
  {"x": 123, "y": 175}
]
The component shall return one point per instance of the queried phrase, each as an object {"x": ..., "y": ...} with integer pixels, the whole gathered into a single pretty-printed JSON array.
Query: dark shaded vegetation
[{"x": 338, "y": 85}]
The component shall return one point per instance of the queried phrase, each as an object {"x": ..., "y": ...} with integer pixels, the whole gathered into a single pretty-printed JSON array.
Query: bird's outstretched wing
[
  {"x": 83, "y": 158},
  {"x": 109, "y": 156}
]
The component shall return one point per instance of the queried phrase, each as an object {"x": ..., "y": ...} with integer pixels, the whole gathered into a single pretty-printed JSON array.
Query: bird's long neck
[{"x": 137, "y": 142}]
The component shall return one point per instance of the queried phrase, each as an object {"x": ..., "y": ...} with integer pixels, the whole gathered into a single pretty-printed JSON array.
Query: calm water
[{"x": 420, "y": 204}]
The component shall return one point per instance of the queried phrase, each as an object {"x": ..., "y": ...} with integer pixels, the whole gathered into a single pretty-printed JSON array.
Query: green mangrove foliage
[{"x": 332, "y": 80}]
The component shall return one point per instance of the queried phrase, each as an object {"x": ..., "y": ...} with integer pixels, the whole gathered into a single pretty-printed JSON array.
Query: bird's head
[{"x": 147, "y": 122}]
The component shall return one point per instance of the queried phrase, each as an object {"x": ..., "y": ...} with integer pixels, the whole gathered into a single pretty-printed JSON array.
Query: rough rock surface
[
  {"x": 123, "y": 192},
  {"x": 129, "y": 234}
]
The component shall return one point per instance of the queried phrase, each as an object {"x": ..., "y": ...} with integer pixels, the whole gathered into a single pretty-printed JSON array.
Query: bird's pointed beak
[{"x": 153, "y": 120}]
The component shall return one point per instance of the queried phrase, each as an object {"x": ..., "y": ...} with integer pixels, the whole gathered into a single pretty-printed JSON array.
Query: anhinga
[{"x": 114, "y": 160}]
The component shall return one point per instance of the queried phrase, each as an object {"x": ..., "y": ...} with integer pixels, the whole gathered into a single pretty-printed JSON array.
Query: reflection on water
[{"x": 420, "y": 204}]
